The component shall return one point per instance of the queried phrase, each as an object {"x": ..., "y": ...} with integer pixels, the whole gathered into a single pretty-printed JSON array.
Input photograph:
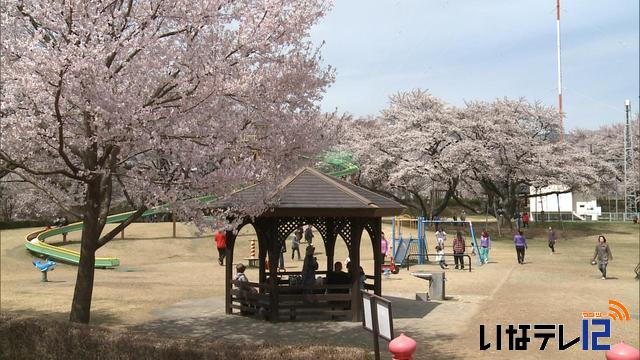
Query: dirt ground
[{"x": 174, "y": 286}]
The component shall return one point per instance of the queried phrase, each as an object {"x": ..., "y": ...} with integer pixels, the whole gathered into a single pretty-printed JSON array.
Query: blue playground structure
[
  {"x": 407, "y": 246},
  {"x": 44, "y": 267}
]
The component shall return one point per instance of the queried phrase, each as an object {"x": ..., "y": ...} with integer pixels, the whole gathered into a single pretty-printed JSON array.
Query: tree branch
[
  {"x": 6, "y": 169},
  {"x": 50, "y": 195},
  {"x": 124, "y": 190},
  {"x": 465, "y": 205},
  {"x": 56, "y": 105},
  {"x": 453, "y": 184},
  {"x": 11, "y": 162},
  {"x": 111, "y": 234}
]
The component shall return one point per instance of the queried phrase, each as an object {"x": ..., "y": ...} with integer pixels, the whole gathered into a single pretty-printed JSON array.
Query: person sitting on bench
[
  {"x": 338, "y": 277},
  {"x": 244, "y": 287}
]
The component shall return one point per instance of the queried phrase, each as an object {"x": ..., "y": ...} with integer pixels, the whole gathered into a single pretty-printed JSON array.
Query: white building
[{"x": 568, "y": 204}]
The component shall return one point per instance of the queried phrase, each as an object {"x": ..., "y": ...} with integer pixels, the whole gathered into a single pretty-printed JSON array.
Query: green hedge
[{"x": 23, "y": 224}]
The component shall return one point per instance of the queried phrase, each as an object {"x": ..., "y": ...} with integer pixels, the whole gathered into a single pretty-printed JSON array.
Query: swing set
[{"x": 409, "y": 238}]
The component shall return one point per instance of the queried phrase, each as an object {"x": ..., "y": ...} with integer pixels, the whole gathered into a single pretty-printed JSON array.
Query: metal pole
[
  {"x": 630, "y": 208},
  {"x": 559, "y": 70},
  {"x": 393, "y": 237},
  {"x": 626, "y": 134}
]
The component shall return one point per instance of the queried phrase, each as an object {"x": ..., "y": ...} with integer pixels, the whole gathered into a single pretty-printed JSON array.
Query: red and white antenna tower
[{"x": 559, "y": 70}]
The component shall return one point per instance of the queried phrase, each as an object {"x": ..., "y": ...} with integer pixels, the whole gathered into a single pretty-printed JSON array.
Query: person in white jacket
[
  {"x": 440, "y": 257},
  {"x": 441, "y": 236}
]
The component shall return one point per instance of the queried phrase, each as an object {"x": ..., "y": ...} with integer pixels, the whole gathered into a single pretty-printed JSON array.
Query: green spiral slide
[{"x": 337, "y": 164}]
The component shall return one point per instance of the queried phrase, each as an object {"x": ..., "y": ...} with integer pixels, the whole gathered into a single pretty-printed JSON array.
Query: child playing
[
  {"x": 440, "y": 257},
  {"x": 441, "y": 236},
  {"x": 485, "y": 245}
]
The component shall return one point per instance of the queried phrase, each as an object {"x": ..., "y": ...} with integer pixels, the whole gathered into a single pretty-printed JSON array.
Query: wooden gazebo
[{"x": 334, "y": 207}]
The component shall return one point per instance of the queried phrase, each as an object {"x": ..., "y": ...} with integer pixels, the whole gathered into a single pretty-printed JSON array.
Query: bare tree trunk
[
  {"x": 81, "y": 305},
  {"x": 447, "y": 196},
  {"x": 486, "y": 214},
  {"x": 432, "y": 202},
  {"x": 498, "y": 218}
]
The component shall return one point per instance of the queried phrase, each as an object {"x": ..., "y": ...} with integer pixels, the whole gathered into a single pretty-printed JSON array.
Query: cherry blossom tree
[
  {"x": 491, "y": 149},
  {"x": 162, "y": 100},
  {"x": 516, "y": 147},
  {"x": 410, "y": 150},
  {"x": 607, "y": 145},
  {"x": 19, "y": 200}
]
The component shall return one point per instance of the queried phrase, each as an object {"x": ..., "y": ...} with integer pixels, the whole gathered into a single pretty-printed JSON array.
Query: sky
[{"x": 482, "y": 50}]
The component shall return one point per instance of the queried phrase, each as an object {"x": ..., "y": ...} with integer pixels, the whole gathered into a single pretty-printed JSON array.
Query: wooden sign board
[{"x": 377, "y": 318}]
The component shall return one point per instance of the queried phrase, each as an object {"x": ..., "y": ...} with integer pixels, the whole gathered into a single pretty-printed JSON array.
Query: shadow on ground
[
  {"x": 102, "y": 318},
  {"x": 404, "y": 308},
  {"x": 240, "y": 329},
  {"x": 205, "y": 319}
]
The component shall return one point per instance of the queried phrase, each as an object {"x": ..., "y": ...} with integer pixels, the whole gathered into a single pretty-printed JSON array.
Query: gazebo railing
[{"x": 292, "y": 300}]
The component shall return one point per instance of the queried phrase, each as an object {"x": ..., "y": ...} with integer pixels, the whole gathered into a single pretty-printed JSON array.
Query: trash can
[{"x": 436, "y": 286}]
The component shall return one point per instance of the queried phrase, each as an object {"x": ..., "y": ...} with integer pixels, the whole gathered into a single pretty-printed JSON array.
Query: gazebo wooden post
[
  {"x": 231, "y": 240},
  {"x": 263, "y": 247},
  {"x": 263, "y": 250},
  {"x": 273, "y": 282},
  {"x": 330, "y": 242},
  {"x": 354, "y": 254},
  {"x": 376, "y": 225},
  {"x": 274, "y": 248}
]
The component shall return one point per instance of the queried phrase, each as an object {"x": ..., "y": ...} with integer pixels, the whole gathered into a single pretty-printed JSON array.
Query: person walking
[
  {"x": 308, "y": 234},
  {"x": 521, "y": 245},
  {"x": 485, "y": 245},
  {"x": 518, "y": 218},
  {"x": 384, "y": 246},
  {"x": 525, "y": 220},
  {"x": 221, "y": 245},
  {"x": 603, "y": 255},
  {"x": 458, "y": 250},
  {"x": 551, "y": 236},
  {"x": 283, "y": 250},
  {"x": 295, "y": 246}
]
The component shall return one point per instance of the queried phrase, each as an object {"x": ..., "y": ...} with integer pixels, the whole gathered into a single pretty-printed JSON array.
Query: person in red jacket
[{"x": 221, "y": 244}]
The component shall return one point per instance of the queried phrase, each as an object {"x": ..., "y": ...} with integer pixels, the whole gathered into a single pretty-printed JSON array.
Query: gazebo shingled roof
[
  {"x": 311, "y": 193},
  {"x": 333, "y": 206}
]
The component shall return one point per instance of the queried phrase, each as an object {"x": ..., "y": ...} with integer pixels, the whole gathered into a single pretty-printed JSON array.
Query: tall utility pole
[
  {"x": 630, "y": 208},
  {"x": 559, "y": 70}
]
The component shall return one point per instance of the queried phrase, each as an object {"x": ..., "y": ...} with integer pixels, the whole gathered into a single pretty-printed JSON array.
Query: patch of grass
[{"x": 37, "y": 338}]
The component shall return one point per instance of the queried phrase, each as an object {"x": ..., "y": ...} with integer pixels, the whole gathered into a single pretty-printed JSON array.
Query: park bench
[{"x": 293, "y": 300}]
